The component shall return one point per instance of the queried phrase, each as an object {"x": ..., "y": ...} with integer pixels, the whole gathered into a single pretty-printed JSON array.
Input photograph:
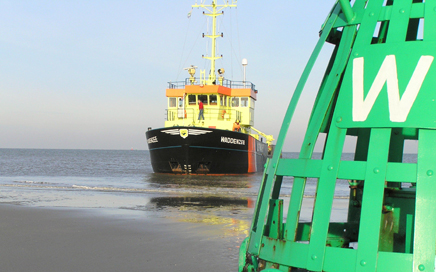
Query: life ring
[{"x": 222, "y": 115}]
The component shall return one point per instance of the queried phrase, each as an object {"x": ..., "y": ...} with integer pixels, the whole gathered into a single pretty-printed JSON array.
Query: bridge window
[
  {"x": 172, "y": 102},
  {"x": 224, "y": 100},
  {"x": 244, "y": 101},
  {"x": 235, "y": 102},
  {"x": 213, "y": 99},
  {"x": 203, "y": 98},
  {"x": 192, "y": 99}
]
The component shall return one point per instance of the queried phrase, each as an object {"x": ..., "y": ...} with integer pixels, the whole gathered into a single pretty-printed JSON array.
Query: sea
[{"x": 122, "y": 182}]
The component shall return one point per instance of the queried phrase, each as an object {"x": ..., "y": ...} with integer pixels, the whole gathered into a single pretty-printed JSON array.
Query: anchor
[{"x": 379, "y": 90}]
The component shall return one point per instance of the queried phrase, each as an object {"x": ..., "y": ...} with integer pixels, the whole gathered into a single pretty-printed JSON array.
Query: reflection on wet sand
[
  {"x": 223, "y": 181},
  {"x": 199, "y": 202},
  {"x": 233, "y": 214},
  {"x": 225, "y": 201}
]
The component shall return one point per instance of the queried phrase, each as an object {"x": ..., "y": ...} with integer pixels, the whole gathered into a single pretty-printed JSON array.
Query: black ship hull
[{"x": 193, "y": 150}]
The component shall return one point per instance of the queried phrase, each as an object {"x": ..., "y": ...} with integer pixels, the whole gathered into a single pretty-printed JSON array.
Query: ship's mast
[{"x": 214, "y": 11}]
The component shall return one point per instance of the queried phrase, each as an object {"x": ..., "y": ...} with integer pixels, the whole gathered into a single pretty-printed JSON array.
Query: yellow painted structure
[
  {"x": 222, "y": 106},
  {"x": 224, "y": 101}
]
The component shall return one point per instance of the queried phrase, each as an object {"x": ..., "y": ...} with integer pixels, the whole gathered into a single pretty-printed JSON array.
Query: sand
[
  {"x": 40, "y": 239},
  {"x": 53, "y": 239}
]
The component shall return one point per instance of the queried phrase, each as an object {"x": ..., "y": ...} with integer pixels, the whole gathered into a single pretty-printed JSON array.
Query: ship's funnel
[{"x": 378, "y": 89}]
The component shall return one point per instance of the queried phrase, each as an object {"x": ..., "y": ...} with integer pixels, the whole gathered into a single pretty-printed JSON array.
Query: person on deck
[
  {"x": 200, "y": 107},
  {"x": 236, "y": 126}
]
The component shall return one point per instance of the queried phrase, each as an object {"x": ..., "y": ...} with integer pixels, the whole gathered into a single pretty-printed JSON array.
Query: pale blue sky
[{"x": 91, "y": 74}]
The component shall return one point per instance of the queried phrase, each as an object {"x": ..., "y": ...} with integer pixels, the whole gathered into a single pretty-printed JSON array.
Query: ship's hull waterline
[{"x": 196, "y": 150}]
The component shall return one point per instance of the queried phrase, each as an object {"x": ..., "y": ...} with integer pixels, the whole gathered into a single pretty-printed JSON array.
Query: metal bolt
[
  {"x": 314, "y": 257},
  {"x": 421, "y": 267},
  {"x": 330, "y": 168},
  {"x": 376, "y": 170},
  {"x": 362, "y": 262},
  {"x": 339, "y": 119},
  {"x": 429, "y": 173}
]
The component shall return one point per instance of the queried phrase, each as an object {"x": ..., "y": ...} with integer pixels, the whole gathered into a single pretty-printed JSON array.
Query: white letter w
[{"x": 398, "y": 108}]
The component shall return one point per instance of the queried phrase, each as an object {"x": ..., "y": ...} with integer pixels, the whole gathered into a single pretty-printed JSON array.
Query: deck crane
[{"x": 269, "y": 138}]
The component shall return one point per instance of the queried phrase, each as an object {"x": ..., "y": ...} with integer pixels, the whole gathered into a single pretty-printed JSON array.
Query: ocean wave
[{"x": 30, "y": 182}]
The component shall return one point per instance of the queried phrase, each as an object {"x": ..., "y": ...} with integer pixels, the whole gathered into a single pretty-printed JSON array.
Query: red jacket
[{"x": 200, "y": 105}]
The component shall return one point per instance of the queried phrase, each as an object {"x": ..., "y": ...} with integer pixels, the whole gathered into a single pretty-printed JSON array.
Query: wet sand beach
[
  {"x": 56, "y": 239},
  {"x": 39, "y": 239}
]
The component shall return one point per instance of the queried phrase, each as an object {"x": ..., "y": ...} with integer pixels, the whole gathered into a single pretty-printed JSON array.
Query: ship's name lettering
[
  {"x": 232, "y": 141},
  {"x": 152, "y": 140}
]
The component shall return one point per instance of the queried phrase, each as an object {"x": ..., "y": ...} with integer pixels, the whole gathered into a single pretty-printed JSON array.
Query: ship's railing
[
  {"x": 180, "y": 114},
  {"x": 176, "y": 85},
  {"x": 191, "y": 115},
  {"x": 226, "y": 83}
]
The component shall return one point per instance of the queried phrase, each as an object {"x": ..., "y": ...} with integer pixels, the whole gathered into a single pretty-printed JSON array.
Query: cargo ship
[{"x": 209, "y": 127}]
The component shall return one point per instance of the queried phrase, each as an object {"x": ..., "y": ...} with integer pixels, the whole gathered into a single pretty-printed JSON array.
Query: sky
[{"x": 92, "y": 74}]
